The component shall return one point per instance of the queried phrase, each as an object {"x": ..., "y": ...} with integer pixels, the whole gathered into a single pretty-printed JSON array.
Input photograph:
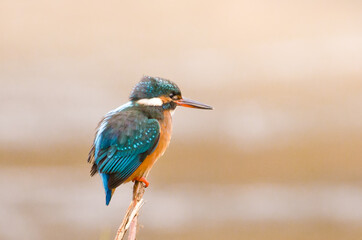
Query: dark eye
[{"x": 174, "y": 96}]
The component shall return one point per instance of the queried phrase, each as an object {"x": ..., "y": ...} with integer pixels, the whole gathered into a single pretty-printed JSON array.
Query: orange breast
[{"x": 165, "y": 137}]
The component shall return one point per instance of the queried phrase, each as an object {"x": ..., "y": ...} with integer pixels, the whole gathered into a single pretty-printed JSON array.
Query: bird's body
[{"x": 131, "y": 138}]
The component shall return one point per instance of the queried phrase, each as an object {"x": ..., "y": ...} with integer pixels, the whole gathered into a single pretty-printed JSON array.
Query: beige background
[{"x": 280, "y": 157}]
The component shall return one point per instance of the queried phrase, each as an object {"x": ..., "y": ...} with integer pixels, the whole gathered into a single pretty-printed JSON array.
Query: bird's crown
[{"x": 152, "y": 87}]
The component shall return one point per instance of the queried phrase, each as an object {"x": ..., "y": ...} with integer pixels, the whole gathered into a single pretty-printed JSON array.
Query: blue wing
[{"x": 123, "y": 141}]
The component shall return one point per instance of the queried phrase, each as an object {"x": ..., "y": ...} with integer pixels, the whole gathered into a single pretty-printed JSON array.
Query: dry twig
[{"x": 130, "y": 219}]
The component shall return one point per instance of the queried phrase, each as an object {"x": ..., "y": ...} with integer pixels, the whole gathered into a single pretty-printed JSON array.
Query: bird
[{"x": 132, "y": 137}]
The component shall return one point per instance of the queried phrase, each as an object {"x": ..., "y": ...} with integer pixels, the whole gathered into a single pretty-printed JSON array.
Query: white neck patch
[{"x": 150, "y": 101}]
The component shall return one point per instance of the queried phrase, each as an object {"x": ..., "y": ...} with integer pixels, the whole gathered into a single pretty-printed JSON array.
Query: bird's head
[{"x": 154, "y": 91}]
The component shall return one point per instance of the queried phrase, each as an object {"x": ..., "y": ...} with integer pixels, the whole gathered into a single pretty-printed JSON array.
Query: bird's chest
[{"x": 165, "y": 138}]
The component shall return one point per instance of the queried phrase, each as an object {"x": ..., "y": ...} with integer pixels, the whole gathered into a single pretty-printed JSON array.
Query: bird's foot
[{"x": 141, "y": 179}]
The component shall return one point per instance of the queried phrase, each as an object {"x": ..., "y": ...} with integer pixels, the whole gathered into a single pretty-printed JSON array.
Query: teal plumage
[
  {"x": 128, "y": 137},
  {"x": 123, "y": 141}
]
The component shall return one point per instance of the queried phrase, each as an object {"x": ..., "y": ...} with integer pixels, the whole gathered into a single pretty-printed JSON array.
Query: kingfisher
[{"x": 132, "y": 137}]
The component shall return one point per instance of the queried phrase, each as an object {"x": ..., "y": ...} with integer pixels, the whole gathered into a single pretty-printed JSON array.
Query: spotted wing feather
[{"x": 122, "y": 143}]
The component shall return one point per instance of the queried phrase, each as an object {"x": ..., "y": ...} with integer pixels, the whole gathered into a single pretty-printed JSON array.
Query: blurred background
[{"x": 280, "y": 156}]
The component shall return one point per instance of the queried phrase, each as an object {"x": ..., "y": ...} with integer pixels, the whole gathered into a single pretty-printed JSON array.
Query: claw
[{"x": 141, "y": 179}]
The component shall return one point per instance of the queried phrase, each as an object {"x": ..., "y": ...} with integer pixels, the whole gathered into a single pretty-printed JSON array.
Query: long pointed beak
[{"x": 184, "y": 102}]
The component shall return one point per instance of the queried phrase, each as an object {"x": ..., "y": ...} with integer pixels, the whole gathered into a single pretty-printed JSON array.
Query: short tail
[{"x": 109, "y": 192}]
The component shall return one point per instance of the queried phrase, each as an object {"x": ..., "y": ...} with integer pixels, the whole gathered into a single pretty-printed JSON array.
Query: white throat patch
[{"x": 151, "y": 101}]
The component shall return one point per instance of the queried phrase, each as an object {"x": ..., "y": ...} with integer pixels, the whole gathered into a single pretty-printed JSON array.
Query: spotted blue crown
[{"x": 150, "y": 87}]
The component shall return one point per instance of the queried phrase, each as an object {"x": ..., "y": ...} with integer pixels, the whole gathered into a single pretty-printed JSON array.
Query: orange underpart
[{"x": 141, "y": 179}]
